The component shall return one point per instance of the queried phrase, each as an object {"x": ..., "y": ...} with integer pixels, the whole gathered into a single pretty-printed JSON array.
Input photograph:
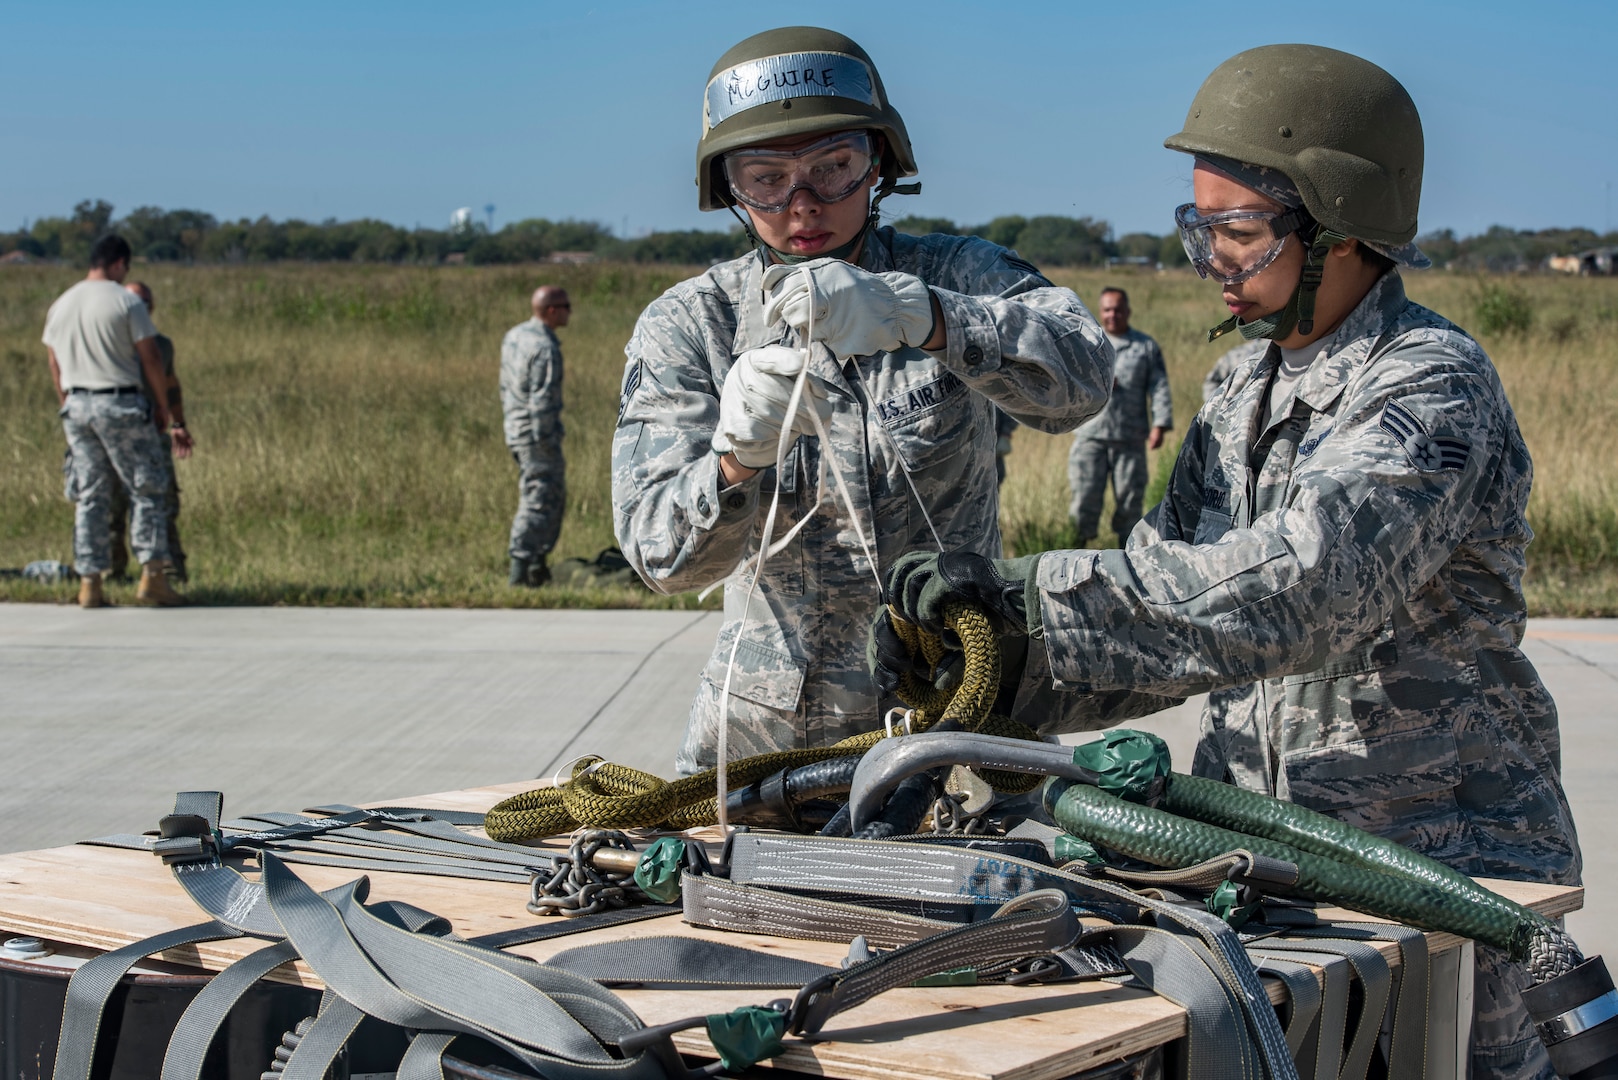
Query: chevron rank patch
[
  {"x": 631, "y": 384},
  {"x": 1427, "y": 453}
]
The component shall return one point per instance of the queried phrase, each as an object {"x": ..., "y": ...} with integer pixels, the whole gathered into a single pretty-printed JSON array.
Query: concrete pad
[{"x": 104, "y": 715}]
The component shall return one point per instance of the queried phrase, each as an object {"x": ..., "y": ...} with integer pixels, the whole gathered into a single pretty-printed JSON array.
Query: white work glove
[
  {"x": 856, "y": 312},
  {"x": 753, "y": 405}
]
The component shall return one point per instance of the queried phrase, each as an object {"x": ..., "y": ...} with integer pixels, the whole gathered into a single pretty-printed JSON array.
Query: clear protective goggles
[
  {"x": 831, "y": 169},
  {"x": 1234, "y": 245}
]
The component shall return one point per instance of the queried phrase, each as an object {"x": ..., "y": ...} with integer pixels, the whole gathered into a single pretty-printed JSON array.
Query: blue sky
[{"x": 405, "y": 111}]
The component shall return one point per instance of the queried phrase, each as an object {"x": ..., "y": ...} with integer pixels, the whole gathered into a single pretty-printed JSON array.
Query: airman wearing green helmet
[
  {"x": 1338, "y": 558},
  {"x": 915, "y": 341}
]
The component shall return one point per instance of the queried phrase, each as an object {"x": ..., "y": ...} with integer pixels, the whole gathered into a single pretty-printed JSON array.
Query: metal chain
[
  {"x": 950, "y": 817},
  {"x": 574, "y": 887}
]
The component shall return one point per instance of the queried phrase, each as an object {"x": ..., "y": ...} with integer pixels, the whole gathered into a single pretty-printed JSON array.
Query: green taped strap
[
  {"x": 1071, "y": 849},
  {"x": 658, "y": 872},
  {"x": 747, "y": 1036},
  {"x": 1129, "y": 764},
  {"x": 964, "y": 976},
  {"x": 1224, "y": 902}
]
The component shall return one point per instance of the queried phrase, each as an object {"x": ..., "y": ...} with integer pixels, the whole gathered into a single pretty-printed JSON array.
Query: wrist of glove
[
  {"x": 754, "y": 401},
  {"x": 921, "y": 584},
  {"x": 855, "y": 312}
]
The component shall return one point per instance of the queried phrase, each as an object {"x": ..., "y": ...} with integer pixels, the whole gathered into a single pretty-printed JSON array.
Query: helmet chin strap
[
  {"x": 1299, "y": 314},
  {"x": 842, "y": 251}
]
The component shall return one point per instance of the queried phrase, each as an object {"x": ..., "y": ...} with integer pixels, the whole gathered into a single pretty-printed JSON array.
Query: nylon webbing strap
[
  {"x": 685, "y": 963},
  {"x": 1178, "y": 968},
  {"x": 203, "y": 1018},
  {"x": 946, "y": 874},
  {"x": 726, "y": 905},
  {"x": 1303, "y": 1001},
  {"x": 90, "y": 988},
  {"x": 1376, "y": 983},
  {"x": 985, "y": 947},
  {"x": 334, "y": 1025},
  {"x": 1319, "y": 1050}
]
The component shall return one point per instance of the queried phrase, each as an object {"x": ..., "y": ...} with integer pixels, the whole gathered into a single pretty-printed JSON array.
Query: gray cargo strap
[
  {"x": 90, "y": 988},
  {"x": 1303, "y": 1000},
  {"x": 725, "y": 905},
  {"x": 685, "y": 963},
  {"x": 954, "y": 876},
  {"x": 1376, "y": 983},
  {"x": 1320, "y": 1039},
  {"x": 1408, "y": 1049}
]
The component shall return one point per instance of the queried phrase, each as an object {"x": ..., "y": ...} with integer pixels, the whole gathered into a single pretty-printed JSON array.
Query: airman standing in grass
[
  {"x": 1113, "y": 443},
  {"x": 531, "y": 396},
  {"x": 1338, "y": 559},
  {"x": 916, "y": 339},
  {"x": 103, "y": 350}
]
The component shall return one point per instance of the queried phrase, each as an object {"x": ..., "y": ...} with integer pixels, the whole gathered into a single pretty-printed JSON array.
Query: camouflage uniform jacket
[
  {"x": 1347, "y": 582},
  {"x": 800, "y": 678},
  {"x": 1228, "y": 363},
  {"x": 531, "y": 383},
  {"x": 1139, "y": 380}
]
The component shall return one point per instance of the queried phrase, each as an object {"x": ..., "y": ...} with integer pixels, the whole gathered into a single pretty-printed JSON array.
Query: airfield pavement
[{"x": 105, "y": 714}]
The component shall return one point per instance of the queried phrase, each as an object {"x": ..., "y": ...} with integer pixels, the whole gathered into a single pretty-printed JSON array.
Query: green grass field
[{"x": 349, "y": 441}]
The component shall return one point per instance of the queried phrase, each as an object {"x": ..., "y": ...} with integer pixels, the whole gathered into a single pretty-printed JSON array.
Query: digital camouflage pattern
[
  {"x": 113, "y": 442},
  {"x": 1113, "y": 442},
  {"x": 1140, "y": 386},
  {"x": 1090, "y": 463},
  {"x": 800, "y": 677},
  {"x": 531, "y": 383},
  {"x": 1228, "y": 363},
  {"x": 531, "y": 398},
  {"x": 1353, "y": 600},
  {"x": 541, "y": 497}
]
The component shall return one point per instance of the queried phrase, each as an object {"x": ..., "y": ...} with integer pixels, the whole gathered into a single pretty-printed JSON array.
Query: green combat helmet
[
  {"x": 1342, "y": 130},
  {"x": 791, "y": 82}
]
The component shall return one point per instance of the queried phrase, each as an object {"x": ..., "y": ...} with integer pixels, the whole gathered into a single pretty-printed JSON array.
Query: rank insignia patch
[{"x": 1427, "y": 453}]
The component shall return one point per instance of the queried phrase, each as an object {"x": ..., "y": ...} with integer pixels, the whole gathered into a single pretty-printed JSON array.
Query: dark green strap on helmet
[{"x": 1299, "y": 314}]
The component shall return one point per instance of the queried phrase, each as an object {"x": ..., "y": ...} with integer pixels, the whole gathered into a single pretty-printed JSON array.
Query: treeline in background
[{"x": 192, "y": 236}]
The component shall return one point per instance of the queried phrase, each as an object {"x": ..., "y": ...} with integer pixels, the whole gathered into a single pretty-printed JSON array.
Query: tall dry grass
[{"x": 349, "y": 426}]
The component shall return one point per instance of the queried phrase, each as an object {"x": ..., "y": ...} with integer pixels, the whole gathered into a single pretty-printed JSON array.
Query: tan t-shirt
[{"x": 93, "y": 328}]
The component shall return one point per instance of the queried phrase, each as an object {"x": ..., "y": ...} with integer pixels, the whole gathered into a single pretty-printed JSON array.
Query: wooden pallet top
[{"x": 107, "y": 898}]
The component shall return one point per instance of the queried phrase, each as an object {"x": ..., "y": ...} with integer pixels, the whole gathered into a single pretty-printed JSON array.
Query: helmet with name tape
[{"x": 788, "y": 83}]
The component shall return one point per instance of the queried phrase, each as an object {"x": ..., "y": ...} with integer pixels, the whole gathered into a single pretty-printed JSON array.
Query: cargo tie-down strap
[
  {"x": 404, "y": 966},
  {"x": 974, "y": 910}
]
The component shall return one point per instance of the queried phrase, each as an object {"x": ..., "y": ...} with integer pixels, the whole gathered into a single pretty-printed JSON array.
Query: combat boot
[
  {"x": 519, "y": 572},
  {"x": 90, "y": 594},
  {"x": 154, "y": 588},
  {"x": 538, "y": 573}
]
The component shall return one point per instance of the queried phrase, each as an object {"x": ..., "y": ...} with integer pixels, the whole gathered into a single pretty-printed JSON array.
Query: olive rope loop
[{"x": 603, "y": 795}]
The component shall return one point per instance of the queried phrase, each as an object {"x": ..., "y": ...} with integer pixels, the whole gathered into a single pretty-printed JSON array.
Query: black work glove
[
  {"x": 886, "y": 655},
  {"x": 920, "y": 585}
]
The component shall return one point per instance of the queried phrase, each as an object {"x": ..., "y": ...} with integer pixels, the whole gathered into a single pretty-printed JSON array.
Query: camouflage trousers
[
  {"x": 113, "y": 442},
  {"x": 1504, "y": 1045},
  {"x": 1089, "y": 464},
  {"x": 541, "y": 495},
  {"x": 118, "y": 514}
]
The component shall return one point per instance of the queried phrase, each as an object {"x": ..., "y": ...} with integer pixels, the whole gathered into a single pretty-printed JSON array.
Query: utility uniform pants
[
  {"x": 1089, "y": 464},
  {"x": 541, "y": 495},
  {"x": 113, "y": 442}
]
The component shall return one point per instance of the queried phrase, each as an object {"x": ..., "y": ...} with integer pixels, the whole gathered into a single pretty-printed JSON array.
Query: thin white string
[{"x": 722, "y": 765}]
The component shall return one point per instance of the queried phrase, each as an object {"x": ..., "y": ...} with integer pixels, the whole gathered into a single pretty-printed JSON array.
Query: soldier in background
[
  {"x": 181, "y": 442},
  {"x": 100, "y": 341},
  {"x": 1339, "y": 556},
  {"x": 1227, "y": 363},
  {"x": 531, "y": 397},
  {"x": 917, "y": 338},
  {"x": 1114, "y": 442}
]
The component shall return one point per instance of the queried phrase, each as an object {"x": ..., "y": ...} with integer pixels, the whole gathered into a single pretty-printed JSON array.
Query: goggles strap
[{"x": 1299, "y": 313}]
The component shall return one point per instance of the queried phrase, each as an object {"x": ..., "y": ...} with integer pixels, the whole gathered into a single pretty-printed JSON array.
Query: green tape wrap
[
  {"x": 658, "y": 872},
  {"x": 1129, "y": 764},
  {"x": 747, "y": 1036}
]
